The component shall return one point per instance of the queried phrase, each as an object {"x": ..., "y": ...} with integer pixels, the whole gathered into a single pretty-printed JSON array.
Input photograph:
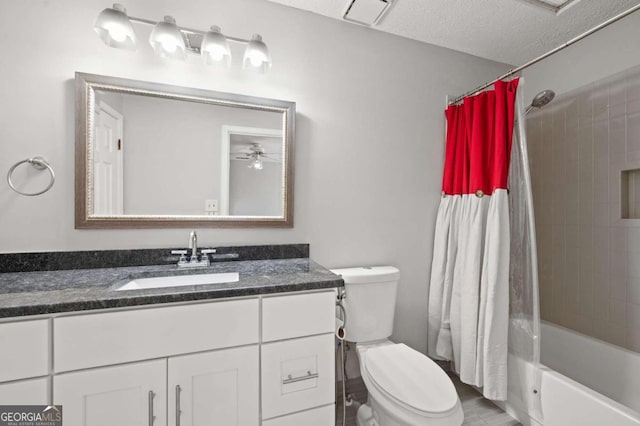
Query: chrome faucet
[
  {"x": 193, "y": 245},
  {"x": 193, "y": 262}
]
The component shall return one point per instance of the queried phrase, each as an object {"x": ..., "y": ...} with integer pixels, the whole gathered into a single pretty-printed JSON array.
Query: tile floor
[{"x": 478, "y": 411}]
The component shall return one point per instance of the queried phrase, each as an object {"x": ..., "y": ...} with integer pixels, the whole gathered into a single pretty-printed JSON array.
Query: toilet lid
[{"x": 411, "y": 378}]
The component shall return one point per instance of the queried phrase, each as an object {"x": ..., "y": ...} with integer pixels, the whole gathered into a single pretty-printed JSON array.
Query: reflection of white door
[
  {"x": 107, "y": 162},
  {"x": 228, "y": 132}
]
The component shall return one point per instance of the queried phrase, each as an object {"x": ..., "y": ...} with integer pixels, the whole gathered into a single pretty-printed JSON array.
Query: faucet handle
[
  {"x": 182, "y": 254},
  {"x": 205, "y": 253}
]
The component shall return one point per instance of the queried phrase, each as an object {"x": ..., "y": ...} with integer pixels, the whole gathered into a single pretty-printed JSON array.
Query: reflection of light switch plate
[{"x": 211, "y": 206}]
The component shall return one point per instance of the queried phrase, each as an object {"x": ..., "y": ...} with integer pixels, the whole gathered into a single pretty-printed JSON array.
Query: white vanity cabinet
[
  {"x": 218, "y": 387},
  {"x": 213, "y": 383},
  {"x": 263, "y": 360}
]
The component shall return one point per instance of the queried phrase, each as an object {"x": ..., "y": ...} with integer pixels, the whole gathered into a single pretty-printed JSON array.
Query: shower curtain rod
[{"x": 546, "y": 55}]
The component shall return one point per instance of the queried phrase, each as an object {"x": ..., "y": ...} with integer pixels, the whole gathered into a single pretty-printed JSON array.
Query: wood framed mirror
[{"x": 150, "y": 155}]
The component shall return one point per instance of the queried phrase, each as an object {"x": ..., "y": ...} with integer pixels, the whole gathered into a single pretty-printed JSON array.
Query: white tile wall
[{"x": 589, "y": 256}]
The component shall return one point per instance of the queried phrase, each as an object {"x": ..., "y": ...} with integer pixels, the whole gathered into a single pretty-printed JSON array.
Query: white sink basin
[{"x": 179, "y": 281}]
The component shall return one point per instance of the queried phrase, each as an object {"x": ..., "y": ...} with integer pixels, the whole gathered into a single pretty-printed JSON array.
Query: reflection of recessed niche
[{"x": 630, "y": 193}]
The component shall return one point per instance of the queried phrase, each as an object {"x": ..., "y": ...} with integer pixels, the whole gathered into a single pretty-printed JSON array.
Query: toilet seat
[{"x": 411, "y": 380}]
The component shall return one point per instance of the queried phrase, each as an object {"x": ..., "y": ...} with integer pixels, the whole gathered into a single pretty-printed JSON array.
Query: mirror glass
[{"x": 155, "y": 153}]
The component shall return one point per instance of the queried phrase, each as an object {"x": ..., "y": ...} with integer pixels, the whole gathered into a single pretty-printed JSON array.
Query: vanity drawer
[
  {"x": 286, "y": 317},
  {"x": 323, "y": 416},
  {"x": 297, "y": 375},
  {"x": 94, "y": 340},
  {"x": 24, "y": 349}
]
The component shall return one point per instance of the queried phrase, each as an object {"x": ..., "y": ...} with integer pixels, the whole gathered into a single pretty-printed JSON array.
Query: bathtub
[{"x": 604, "y": 388}]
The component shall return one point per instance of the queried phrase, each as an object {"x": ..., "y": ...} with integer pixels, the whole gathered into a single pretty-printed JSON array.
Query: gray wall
[{"x": 370, "y": 129}]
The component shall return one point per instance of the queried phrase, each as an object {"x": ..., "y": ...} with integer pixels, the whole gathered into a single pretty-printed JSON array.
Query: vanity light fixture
[
  {"x": 215, "y": 48},
  {"x": 168, "y": 40},
  {"x": 256, "y": 55},
  {"x": 114, "y": 28}
]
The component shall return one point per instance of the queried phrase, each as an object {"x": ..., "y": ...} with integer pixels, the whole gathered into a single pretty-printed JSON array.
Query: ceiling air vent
[
  {"x": 366, "y": 12},
  {"x": 555, "y": 6}
]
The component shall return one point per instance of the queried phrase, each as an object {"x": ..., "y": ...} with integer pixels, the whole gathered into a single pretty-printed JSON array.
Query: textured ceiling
[{"x": 509, "y": 31}]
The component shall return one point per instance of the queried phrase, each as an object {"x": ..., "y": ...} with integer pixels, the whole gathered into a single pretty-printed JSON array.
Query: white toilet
[{"x": 405, "y": 387}]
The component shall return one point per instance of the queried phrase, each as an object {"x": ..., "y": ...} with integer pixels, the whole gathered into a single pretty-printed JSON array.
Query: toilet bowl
[{"x": 406, "y": 388}]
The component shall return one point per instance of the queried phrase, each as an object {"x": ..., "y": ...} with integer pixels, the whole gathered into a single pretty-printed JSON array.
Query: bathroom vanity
[{"x": 259, "y": 351}]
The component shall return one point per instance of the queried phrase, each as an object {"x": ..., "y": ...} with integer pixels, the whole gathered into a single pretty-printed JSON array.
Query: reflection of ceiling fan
[{"x": 255, "y": 155}]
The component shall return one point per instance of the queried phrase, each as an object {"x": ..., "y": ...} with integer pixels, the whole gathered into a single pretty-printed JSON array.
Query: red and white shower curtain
[{"x": 469, "y": 290}]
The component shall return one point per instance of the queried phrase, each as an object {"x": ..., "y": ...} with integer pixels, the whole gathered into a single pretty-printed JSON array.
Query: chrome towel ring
[{"x": 40, "y": 164}]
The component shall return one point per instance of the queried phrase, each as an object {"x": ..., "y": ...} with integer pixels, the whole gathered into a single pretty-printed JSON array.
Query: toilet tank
[{"x": 370, "y": 303}]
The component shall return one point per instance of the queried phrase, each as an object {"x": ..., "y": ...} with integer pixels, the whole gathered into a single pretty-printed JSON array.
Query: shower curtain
[
  {"x": 469, "y": 290},
  {"x": 524, "y": 305}
]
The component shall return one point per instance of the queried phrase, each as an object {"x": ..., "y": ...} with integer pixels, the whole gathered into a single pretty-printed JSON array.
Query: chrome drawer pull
[
  {"x": 178, "y": 412},
  {"x": 309, "y": 376},
  {"x": 151, "y": 416}
]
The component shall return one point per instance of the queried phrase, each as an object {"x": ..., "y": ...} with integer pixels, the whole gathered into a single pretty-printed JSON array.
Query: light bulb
[
  {"x": 216, "y": 53},
  {"x": 167, "y": 40},
  {"x": 169, "y": 44},
  {"x": 215, "y": 48},
  {"x": 256, "y": 55},
  {"x": 255, "y": 60},
  {"x": 117, "y": 33}
]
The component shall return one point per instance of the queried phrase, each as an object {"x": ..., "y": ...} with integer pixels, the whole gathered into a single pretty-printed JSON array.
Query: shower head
[{"x": 541, "y": 99}]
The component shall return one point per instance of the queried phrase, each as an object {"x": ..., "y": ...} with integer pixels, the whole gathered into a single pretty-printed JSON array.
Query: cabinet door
[
  {"x": 24, "y": 350},
  {"x": 215, "y": 388},
  {"x": 109, "y": 396},
  {"x": 24, "y": 392}
]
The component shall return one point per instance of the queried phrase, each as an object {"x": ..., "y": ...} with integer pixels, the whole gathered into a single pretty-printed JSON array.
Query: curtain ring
[
  {"x": 479, "y": 193},
  {"x": 40, "y": 164}
]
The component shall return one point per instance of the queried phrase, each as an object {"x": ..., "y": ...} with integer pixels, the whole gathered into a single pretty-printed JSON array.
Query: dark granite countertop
[{"x": 45, "y": 292}]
